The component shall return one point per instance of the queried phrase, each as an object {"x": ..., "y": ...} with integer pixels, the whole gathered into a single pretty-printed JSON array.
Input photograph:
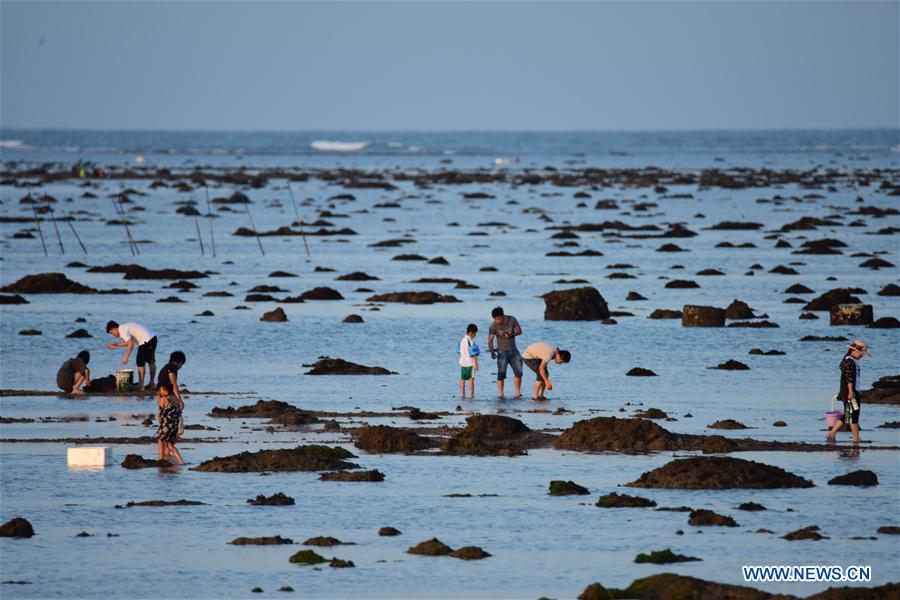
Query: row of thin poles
[{"x": 132, "y": 243}]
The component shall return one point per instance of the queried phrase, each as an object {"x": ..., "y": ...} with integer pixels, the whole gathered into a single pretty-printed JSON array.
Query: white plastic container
[{"x": 90, "y": 456}]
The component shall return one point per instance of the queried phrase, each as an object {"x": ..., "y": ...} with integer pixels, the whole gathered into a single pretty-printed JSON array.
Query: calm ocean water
[{"x": 541, "y": 546}]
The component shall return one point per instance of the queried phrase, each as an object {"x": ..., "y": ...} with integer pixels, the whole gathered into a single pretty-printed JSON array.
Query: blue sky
[{"x": 449, "y": 66}]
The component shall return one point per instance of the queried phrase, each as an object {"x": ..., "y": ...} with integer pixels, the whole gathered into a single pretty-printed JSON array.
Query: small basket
[
  {"x": 833, "y": 416},
  {"x": 124, "y": 380}
]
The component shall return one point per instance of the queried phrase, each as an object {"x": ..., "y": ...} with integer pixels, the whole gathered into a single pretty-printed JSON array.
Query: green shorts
[{"x": 465, "y": 373}]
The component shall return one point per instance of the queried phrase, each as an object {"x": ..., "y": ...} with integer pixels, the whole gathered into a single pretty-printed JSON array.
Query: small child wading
[
  {"x": 167, "y": 387},
  {"x": 468, "y": 361},
  {"x": 168, "y": 415}
]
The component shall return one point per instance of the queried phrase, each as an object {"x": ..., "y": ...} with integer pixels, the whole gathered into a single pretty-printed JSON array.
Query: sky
[{"x": 498, "y": 66}]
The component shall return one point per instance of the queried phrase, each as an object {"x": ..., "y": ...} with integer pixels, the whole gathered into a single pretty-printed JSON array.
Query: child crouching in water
[{"x": 468, "y": 361}]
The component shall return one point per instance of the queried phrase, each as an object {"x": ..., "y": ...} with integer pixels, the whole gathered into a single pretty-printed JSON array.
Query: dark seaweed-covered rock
[
  {"x": 889, "y": 529},
  {"x": 159, "y": 503},
  {"x": 807, "y": 533},
  {"x": 833, "y": 298},
  {"x": 754, "y": 325},
  {"x": 469, "y": 553},
  {"x": 135, "y": 461},
  {"x": 493, "y": 435},
  {"x": 669, "y": 586},
  {"x": 640, "y": 372},
  {"x": 325, "y": 541},
  {"x": 338, "y": 366},
  {"x": 719, "y": 473},
  {"x": 364, "y": 476},
  {"x": 29, "y": 332},
  {"x": 891, "y": 289},
  {"x": 274, "y": 316},
  {"x": 851, "y": 314},
  {"x": 617, "y": 435},
  {"x": 578, "y": 304},
  {"x": 384, "y": 439},
  {"x": 13, "y": 299},
  {"x": 389, "y": 531},
  {"x": 432, "y": 547},
  {"x": 704, "y": 517},
  {"x": 615, "y": 500},
  {"x": 886, "y": 425},
  {"x": 738, "y": 310},
  {"x": 307, "y": 557},
  {"x": 47, "y": 283},
  {"x": 279, "y": 413},
  {"x": 634, "y": 297},
  {"x": 17, "y": 528},
  {"x": 885, "y": 323},
  {"x": 413, "y": 298},
  {"x": 824, "y": 338},
  {"x": 301, "y": 458},
  {"x": 261, "y": 541},
  {"x": 799, "y": 288},
  {"x": 751, "y": 506},
  {"x": 760, "y": 352},
  {"x": 567, "y": 488},
  {"x": 139, "y": 272},
  {"x": 717, "y": 444},
  {"x": 79, "y": 334},
  {"x": 728, "y": 424},
  {"x": 663, "y": 557},
  {"x": 860, "y": 478},
  {"x": 277, "y": 499},
  {"x": 357, "y": 276},
  {"x": 595, "y": 591},
  {"x": 663, "y": 313},
  {"x": 682, "y": 284},
  {"x": 102, "y": 385},
  {"x": 321, "y": 293},
  {"x": 888, "y": 591},
  {"x": 353, "y": 319},
  {"x": 339, "y": 563},
  {"x": 419, "y": 415},
  {"x": 702, "y": 316},
  {"x": 731, "y": 365},
  {"x": 652, "y": 413},
  {"x": 886, "y": 390}
]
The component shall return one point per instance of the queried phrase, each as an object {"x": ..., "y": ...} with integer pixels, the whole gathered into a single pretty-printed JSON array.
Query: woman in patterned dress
[{"x": 168, "y": 414}]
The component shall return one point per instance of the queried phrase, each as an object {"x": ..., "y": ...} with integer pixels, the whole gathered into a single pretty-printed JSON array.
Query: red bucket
[{"x": 832, "y": 417}]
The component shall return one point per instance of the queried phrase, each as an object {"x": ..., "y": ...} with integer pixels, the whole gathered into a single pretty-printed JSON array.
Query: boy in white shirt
[
  {"x": 146, "y": 343},
  {"x": 468, "y": 361}
]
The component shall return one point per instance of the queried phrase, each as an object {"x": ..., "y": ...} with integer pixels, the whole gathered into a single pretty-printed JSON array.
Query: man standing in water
[
  {"x": 146, "y": 341},
  {"x": 505, "y": 328}
]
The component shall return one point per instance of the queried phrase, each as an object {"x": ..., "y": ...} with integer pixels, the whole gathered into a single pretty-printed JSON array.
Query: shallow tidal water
[{"x": 540, "y": 545}]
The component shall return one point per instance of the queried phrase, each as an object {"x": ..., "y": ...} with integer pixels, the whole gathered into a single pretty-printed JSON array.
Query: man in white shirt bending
[
  {"x": 131, "y": 334},
  {"x": 537, "y": 357}
]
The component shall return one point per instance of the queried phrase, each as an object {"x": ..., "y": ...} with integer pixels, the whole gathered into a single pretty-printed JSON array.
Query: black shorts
[
  {"x": 147, "y": 353},
  {"x": 535, "y": 365},
  {"x": 850, "y": 415}
]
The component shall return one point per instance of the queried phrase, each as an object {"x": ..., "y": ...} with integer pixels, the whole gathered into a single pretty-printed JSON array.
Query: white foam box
[{"x": 90, "y": 456}]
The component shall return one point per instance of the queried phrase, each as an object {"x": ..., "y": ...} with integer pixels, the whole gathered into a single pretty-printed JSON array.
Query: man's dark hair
[
  {"x": 177, "y": 357},
  {"x": 110, "y": 326},
  {"x": 497, "y": 312},
  {"x": 471, "y": 328},
  {"x": 85, "y": 356},
  {"x": 565, "y": 355}
]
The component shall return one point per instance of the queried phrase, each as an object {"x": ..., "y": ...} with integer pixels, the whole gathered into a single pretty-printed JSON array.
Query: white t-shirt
[
  {"x": 138, "y": 332},
  {"x": 542, "y": 350},
  {"x": 464, "y": 359}
]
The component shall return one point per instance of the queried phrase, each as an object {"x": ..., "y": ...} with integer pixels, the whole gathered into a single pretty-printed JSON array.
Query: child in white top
[{"x": 468, "y": 361}]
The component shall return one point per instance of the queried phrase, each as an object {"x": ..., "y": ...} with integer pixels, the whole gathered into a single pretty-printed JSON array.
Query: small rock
[
  {"x": 79, "y": 333},
  {"x": 728, "y": 424},
  {"x": 615, "y": 500},
  {"x": 307, "y": 557},
  {"x": 388, "y": 531},
  {"x": 640, "y": 372},
  {"x": 353, "y": 319},
  {"x": 469, "y": 553},
  {"x": 704, "y": 517},
  {"x": 663, "y": 557},
  {"x": 859, "y": 478},
  {"x": 751, "y": 506},
  {"x": 567, "y": 488},
  {"x": 432, "y": 547},
  {"x": 807, "y": 533},
  {"x": 731, "y": 365},
  {"x": 274, "y": 316}
]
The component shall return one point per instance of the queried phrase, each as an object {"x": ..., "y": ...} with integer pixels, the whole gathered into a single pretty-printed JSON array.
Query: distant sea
[{"x": 685, "y": 149}]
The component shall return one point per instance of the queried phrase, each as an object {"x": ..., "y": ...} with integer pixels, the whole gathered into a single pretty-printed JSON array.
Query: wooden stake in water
[
  {"x": 121, "y": 212},
  {"x": 209, "y": 217},
  {"x": 197, "y": 225},
  {"x": 75, "y": 233},
  {"x": 37, "y": 222},
  {"x": 253, "y": 226},
  {"x": 62, "y": 250},
  {"x": 297, "y": 214}
]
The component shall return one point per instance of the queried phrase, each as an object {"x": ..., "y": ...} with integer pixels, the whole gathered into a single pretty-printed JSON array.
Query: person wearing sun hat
[{"x": 849, "y": 390}]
